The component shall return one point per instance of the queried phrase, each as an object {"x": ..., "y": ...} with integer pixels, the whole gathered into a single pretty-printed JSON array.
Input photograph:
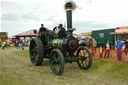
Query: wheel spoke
[
  {"x": 33, "y": 44},
  {"x": 34, "y": 53},
  {"x": 84, "y": 54},
  {"x": 54, "y": 57},
  {"x": 81, "y": 53},
  {"x": 82, "y": 63},
  {"x": 34, "y": 56},
  {"x": 57, "y": 67},
  {"x": 86, "y": 63},
  {"x": 56, "y": 61}
]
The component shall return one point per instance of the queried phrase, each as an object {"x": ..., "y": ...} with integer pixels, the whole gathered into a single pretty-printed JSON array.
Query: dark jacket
[
  {"x": 42, "y": 29},
  {"x": 126, "y": 45}
]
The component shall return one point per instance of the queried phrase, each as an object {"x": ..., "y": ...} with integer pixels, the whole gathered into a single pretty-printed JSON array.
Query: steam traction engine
[{"x": 61, "y": 47}]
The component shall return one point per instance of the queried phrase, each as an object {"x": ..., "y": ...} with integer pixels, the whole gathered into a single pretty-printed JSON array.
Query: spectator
[
  {"x": 123, "y": 48},
  {"x": 0, "y": 43},
  {"x": 127, "y": 58},
  {"x": 101, "y": 51},
  {"x": 3, "y": 45},
  {"x": 118, "y": 47},
  {"x": 8, "y": 42},
  {"x": 111, "y": 53},
  {"x": 17, "y": 44},
  {"x": 22, "y": 44},
  {"x": 126, "y": 50},
  {"x": 88, "y": 43},
  {"x": 107, "y": 50},
  {"x": 93, "y": 44}
]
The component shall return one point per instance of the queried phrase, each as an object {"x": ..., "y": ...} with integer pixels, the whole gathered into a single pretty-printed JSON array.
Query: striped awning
[
  {"x": 118, "y": 32},
  {"x": 34, "y": 35},
  {"x": 29, "y": 33}
]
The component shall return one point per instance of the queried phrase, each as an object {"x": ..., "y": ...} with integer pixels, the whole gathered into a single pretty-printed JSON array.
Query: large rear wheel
[
  {"x": 85, "y": 56},
  {"x": 36, "y": 51},
  {"x": 57, "y": 61}
]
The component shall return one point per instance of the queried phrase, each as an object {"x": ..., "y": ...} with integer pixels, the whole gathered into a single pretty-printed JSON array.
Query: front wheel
[
  {"x": 57, "y": 61},
  {"x": 36, "y": 51},
  {"x": 85, "y": 56}
]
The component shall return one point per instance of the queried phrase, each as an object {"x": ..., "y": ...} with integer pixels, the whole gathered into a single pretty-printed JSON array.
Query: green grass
[
  {"x": 16, "y": 69},
  {"x": 114, "y": 70},
  {"x": 21, "y": 53}
]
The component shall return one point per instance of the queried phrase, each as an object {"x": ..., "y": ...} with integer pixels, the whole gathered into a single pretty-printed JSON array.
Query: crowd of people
[
  {"x": 105, "y": 50},
  {"x": 19, "y": 44}
]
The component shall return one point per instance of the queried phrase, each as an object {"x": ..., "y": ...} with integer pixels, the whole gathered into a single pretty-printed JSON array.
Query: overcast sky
[{"x": 21, "y": 15}]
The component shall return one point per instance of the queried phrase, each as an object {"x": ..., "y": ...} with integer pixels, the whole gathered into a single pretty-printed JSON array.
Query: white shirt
[{"x": 107, "y": 46}]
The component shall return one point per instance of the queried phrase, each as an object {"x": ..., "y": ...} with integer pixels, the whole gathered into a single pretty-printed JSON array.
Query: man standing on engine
[{"x": 42, "y": 34}]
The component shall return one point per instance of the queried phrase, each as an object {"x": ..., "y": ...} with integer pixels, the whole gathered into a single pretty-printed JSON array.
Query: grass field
[{"x": 16, "y": 69}]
